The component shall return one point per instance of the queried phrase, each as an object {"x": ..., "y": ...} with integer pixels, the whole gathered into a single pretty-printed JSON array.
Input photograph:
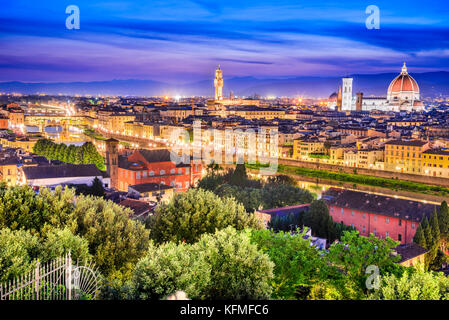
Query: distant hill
[{"x": 431, "y": 84}]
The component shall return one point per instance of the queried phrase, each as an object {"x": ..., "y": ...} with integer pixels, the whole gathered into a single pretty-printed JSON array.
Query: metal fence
[{"x": 56, "y": 280}]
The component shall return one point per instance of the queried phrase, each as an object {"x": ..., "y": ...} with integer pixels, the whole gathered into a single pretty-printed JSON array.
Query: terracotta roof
[
  {"x": 382, "y": 205},
  {"x": 137, "y": 206},
  {"x": 413, "y": 143},
  {"x": 409, "y": 251}
]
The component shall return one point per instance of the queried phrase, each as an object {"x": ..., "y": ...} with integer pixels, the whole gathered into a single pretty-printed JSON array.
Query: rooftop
[
  {"x": 63, "y": 171},
  {"x": 382, "y": 205}
]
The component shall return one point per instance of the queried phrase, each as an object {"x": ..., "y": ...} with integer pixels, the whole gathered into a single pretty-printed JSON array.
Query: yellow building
[
  {"x": 405, "y": 156},
  {"x": 139, "y": 129},
  {"x": 302, "y": 148},
  {"x": 26, "y": 144},
  {"x": 436, "y": 163}
]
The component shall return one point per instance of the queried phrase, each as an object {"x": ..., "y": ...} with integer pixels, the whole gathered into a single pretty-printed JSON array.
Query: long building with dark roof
[{"x": 381, "y": 215}]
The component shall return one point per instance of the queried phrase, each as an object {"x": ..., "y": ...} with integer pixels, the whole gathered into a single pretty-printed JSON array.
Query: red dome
[{"x": 403, "y": 82}]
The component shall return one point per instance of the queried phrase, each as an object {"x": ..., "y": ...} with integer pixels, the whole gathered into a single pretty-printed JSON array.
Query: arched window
[{"x": 162, "y": 172}]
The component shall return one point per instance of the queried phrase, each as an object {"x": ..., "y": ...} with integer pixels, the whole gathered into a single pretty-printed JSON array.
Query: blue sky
[{"x": 184, "y": 41}]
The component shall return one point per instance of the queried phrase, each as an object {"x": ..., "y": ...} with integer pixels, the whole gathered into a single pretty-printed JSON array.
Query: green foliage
[
  {"x": 416, "y": 285},
  {"x": 443, "y": 221},
  {"x": 86, "y": 154},
  {"x": 96, "y": 189},
  {"x": 60, "y": 242},
  {"x": 297, "y": 264},
  {"x": 239, "y": 176},
  {"x": 186, "y": 216},
  {"x": 284, "y": 195},
  {"x": 115, "y": 241},
  {"x": 354, "y": 254},
  {"x": 171, "y": 267},
  {"x": 282, "y": 179},
  {"x": 21, "y": 208},
  {"x": 223, "y": 265},
  {"x": 19, "y": 251}
]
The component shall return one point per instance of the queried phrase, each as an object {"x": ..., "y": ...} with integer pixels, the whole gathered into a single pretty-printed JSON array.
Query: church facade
[{"x": 402, "y": 95}]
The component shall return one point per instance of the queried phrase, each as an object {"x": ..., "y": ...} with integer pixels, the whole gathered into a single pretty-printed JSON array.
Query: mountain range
[{"x": 431, "y": 84}]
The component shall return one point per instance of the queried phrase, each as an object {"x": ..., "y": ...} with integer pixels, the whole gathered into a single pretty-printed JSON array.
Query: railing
[{"x": 56, "y": 280}]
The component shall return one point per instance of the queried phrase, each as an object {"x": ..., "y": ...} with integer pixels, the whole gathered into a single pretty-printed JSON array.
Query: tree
[
  {"x": 354, "y": 254},
  {"x": 19, "y": 251},
  {"x": 222, "y": 265},
  {"x": 443, "y": 223},
  {"x": 284, "y": 195},
  {"x": 297, "y": 264},
  {"x": 416, "y": 285},
  {"x": 419, "y": 237},
  {"x": 186, "y": 216},
  {"x": 238, "y": 269},
  {"x": 239, "y": 177},
  {"x": 317, "y": 218},
  {"x": 97, "y": 188},
  {"x": 59, "y": 242},
  {"x": 282, "y": 179},
  {"x": 115, "y": 241},
  {"x": 168, "y": 268}
]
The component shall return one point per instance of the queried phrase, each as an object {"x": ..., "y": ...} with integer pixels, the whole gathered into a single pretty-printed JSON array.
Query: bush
[
  {"x": 223, "y": 265},
  {"x": 188, "y": 215}
]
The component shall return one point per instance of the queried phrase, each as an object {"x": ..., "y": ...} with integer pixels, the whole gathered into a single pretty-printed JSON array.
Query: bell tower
[
  {"x": 112, "y": 161},
  {"x": 218, "y": 82}
]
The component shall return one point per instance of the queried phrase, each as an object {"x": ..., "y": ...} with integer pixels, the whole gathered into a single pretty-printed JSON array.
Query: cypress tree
[
  {"x": 443, "y": 221},
  {"x": 419, "y": 237},
  {"x": 435, "y": 228}
]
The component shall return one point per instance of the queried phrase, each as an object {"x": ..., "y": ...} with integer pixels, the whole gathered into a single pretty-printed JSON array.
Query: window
[
  {"x": 387, "y": 234},
  {"x": 352, "y": 213},
  {"x": 375, "y": 217},
  {"x": 187, "y": 170},
  {"x": 364, "y": 216},
  {"x": 144, "y": 174},
  {"x": 399, "y": 237},
  {"x": 151, "y": 173},
  {"x": 341, "y": 210},
  {"x": 413, "y": 225},
  {"x": 172, "y": 171},
  {"x": 375, "y": 231},
  {"x": 400, "y": 222},
  {"x": 162, "y": 172},
  {"x": 137, "y": 175},
  {"x": 363, "y": 229},
  {"x": 387, "y": 220},
  {"x": 180, "y": 171}
]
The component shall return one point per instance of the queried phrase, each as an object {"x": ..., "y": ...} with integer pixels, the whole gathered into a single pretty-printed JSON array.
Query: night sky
[{"x": 183, "y": 41}]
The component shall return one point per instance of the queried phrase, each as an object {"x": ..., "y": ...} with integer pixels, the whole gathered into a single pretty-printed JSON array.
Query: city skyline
[{"x": 155, "y": 41}]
